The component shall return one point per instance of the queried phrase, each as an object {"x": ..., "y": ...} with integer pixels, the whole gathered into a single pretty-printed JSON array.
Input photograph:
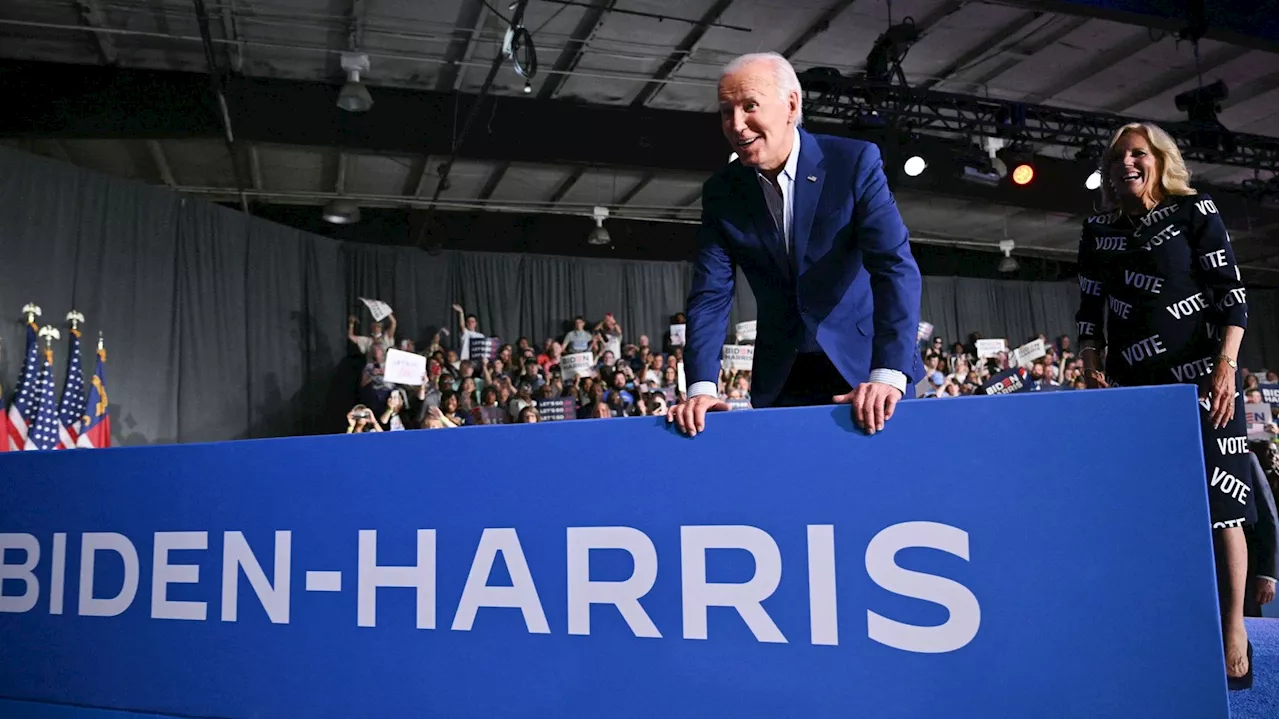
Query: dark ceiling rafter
[
  {"x": 1171, "y": 17},
  {"x": 570, "y": 55},
  {"x": 630, "y": 194},
  {"x": 1249, "y": 90},
  {"x": 91, "y": 16},
  {"x": 1175, "y": 78},
  {"x": 1094, "y": 68},
  {"x": 234, "y": 52},
  {"x": 990, "y": 44},
  {"x": 470, "y": 22},
  {"x": 817, "y": 27},
  {"x": 1066, "y": 26},
  {"x": 566, "y": 185},
  {"x": 683, "y": 50},
  {"x": 218, "y": 86}
]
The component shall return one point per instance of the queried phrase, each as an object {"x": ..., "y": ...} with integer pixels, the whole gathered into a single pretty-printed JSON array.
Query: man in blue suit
[{"x": 811, "y": 223}]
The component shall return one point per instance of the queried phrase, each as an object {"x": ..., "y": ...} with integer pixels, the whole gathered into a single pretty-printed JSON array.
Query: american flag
[
  {"x": 22, "y": 413},
  {"x": 71, "y": 409},
  {"x": 44, "y": 433}
]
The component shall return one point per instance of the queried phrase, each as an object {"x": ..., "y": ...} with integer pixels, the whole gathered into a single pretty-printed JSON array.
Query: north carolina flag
[
  {"x": 95, "y": 426},
  {"x": 71, "y": 409},
  {"x": 26, "y": 401}
]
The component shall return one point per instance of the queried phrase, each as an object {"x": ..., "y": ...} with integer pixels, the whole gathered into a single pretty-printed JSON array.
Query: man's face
[
  {"x": 619, "y": 381},
  {"x": 471, "y": 324},
  {"x": 755, "y": 118},
  {"x": 1253, "y": 396},
  {"x": 1037, "y": 371},
  {"x": 579, "y": 325},
  {"x": 644, "y": 340},
  {"x": 377, "y": 329}
]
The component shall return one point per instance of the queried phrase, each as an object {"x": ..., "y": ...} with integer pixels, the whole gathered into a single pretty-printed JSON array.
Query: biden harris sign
[{"x": 831, "y": 574}]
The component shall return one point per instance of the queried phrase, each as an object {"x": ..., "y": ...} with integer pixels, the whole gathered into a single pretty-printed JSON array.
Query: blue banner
[{"x": 779, "y": 564}]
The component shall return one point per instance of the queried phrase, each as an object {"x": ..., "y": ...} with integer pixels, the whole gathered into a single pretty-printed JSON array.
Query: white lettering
[
  {"x": 1106, "y": 219},
  {"x": 1110, "y": 243},
  {"x": 422, "y": 577},
  {"x": 1214, "y": 331},
  {"x": 1229, "y": 485},
  {"x": 1206, "y": 207},
  {"x": 1233, "y": 445},
  {"x": 624, "y": 595},
  {"x": 1144, "y": 349},
  {"x": 1159, "y": 238},
  {"x": 163, "y": 574},
  {"x": 965, "y": 614},
  {"x": 697, "y": 594},
  {"x": 823, "y": 626},
  {"x": 1085, "y": 328},
  {"x": 1090, "y": 287},
  {"x": 1189, "y": 306},
  {"x": 274, "y": 595},
  {"x": 30, "y": 546},
  {"x": 1233, "y": 298},
  {"x": 57, "y": 572},
  {"x": 1212, "y": 260},
  {"x": 522, "y": 594},
  {"x": 1137, "y": 280},
  {"x": 1118, "y": 308},
  {"x": 90, "y": 544},
  {"x": 1191, "y": 370},
  {"x": 1158, "y": 215}
]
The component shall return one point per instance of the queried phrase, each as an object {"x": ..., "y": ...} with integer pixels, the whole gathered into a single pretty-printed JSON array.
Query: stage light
[
  {"x": 341, "y": 211},
  {"x": 914, "y": 166},
  {"x": 1023, "y": 174},
  {"x": 1094, "y": 181},
  {"x": 354, "y": 96},
  {"x": 599, "y": 235}
]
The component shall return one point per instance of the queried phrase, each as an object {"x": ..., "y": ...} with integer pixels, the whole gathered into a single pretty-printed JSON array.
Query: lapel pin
[{"x": 812, "y": 178}]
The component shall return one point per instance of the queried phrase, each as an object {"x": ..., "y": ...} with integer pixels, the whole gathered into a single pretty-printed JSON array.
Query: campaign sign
[
  {"x": 826, "y": 577},
  {"x": 559, "y": 408},
  {"x": 1007, "y": 382},
  {"x": 1270, "y": 394}
]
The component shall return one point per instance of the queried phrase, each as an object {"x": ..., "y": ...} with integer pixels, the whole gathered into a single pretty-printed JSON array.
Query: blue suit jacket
[{"x": 851, "y": 277}]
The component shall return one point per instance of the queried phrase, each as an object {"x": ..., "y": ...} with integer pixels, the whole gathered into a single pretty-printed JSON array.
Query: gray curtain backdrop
[{"x": 221, "y": 326}]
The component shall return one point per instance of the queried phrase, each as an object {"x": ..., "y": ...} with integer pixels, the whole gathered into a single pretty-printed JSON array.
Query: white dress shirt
[{"x": 781, "y": 202}]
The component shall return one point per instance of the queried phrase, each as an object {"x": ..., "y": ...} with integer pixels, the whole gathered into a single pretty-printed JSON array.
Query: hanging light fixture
[
  {"x": 354, "y": 96},
  {"x": 599, "y": 235},
  {"x": 1008, "y": 264},
  {"x": 341, "y": 211}
]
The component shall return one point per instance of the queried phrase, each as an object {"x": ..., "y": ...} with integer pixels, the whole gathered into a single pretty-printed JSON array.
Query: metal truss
[{"x": 862, "y": 105}]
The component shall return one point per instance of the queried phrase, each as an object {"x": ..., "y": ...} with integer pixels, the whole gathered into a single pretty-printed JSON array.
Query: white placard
[
  {"x": 677, "y": 335},
  {"x": 1028, "y": 353},
  {"x": 404, "y": 368},
  {"x": 576, "y": 365},
  {"x": 378, "y": 308},
  {"x": 680, "y": 384},
  {"x": 990, "y": 348},
  {"x": 746, "y": 331},
  {"x": 1257, "y": 417},
  {"x": 737, "y": 357},
  {"x": 614, "y": 345},
  {"x": 924, "y": 332}
]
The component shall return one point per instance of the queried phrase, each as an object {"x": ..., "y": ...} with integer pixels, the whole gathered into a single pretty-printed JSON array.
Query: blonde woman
[{"x": 1157, "y": 266}]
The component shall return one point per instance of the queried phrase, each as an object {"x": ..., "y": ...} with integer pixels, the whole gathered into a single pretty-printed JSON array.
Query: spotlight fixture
[
  {"x": 354, "y": 96},
  {"x": 1093, "y": 181},
  {"x": 914, "y": 166},
  {"x": 1023, "y": 174},
  {"x": 341, "y": 211},
  {"x": 599, "y": 235},
  {"x": 1008, "y": 264}
]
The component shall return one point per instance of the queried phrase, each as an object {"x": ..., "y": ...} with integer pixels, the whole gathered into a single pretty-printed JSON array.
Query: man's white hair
[{"x": 784, "y": 76}]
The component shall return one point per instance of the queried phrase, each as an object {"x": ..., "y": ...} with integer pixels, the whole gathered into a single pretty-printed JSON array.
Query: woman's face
[
  {"x": 450, "y": 405},
  {"x": 468, "y": 385},
  {"x": 393, "y": 402},
  {"x": 1134, "y": 170}
]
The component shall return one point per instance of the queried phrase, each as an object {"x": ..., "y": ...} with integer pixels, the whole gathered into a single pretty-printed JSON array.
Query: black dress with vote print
[{"x": 1165, "y": 283}]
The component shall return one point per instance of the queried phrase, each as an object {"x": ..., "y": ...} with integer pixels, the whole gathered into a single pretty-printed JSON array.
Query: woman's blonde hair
[{"x": 1175, "y": 178}]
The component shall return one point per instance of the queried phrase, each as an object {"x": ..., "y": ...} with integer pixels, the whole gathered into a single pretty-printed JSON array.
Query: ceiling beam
[
  {"x": 1031, "y": 47},
  {"x": 1100, "y": 63},
  {"x": 990, "y": 44},
  {"x": 495, "y": 179},
  {"x": 571, "y": 54},
  {"x": 630, "y": 195},
  {"x": 817, "y": 27},
  {"x": 470, "y": 22},
  {"x": 1236, "y": 22},
  {"x": 680, "y": 54},
  {"x": 91, "y": 15},
  {"x": 938, "y": 14},
  {"x": 235, "y": 57},
  {"x": 161, "y": 162},
  {"x": 1249, "y": 90},
  {"x": 255, "y": 169},
  {"x": 567, "y": 185}
]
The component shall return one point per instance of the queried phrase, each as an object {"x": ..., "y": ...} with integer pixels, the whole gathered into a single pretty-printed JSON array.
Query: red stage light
[{"x": 1023, "y": 174}]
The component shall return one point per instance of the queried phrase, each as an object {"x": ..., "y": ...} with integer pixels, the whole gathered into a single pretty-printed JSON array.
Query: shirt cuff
[
  {"x": 891, "y": 377},
  {"x": 1263, "y": 576},
  {"x": 700, "y": 388}
]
